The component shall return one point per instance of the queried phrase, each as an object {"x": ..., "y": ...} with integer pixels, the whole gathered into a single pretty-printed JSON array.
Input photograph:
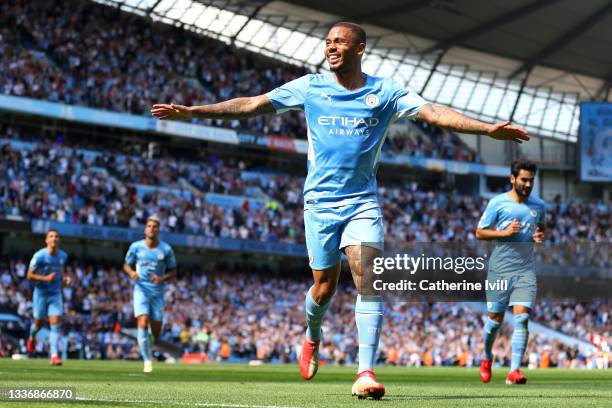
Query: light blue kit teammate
[
  {"x": 348, "y": 114},
  {"x": 515, "y": 220},
  {"x": 150, "y": 263},
  {"x": 46, "y": 271},
  {"x": 512, "y": 257}
]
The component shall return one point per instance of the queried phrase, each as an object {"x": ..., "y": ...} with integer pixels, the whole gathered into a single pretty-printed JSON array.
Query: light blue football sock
[
  {"x": 54, "y": 339},
  {"x": 314, "y": 316},
  {"x": 144, "y": 344},
  {"x": 33, "y": 330},
  {"x": 369, "y": 312},
  {"x": 489, "y": 333},
  {"x": 519, "y": 340}
]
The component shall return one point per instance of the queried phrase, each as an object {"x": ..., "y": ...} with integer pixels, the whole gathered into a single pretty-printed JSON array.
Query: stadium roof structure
[{"x": 530, "y": 61}]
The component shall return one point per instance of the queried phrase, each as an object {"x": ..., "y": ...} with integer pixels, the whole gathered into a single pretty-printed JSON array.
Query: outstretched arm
[
  {"x": 448, "y": 118},
  {"x": 238, "y": 108}
]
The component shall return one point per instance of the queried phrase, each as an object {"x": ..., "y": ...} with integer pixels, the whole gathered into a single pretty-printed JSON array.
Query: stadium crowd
[
  {"x": 50, "y": 180},
  {"x": 97, "y": 56},
  {"x": 79, "y": 55},
  {"x": 423, "y": 140},
  {"x": 267, "y": 320}
]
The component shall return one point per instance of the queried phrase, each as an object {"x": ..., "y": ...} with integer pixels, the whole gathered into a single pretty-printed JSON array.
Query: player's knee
[
  {"x": 143, "y": 321},
  {"x": 496, "y": 317},
  {"x": 323, "y": 292}
]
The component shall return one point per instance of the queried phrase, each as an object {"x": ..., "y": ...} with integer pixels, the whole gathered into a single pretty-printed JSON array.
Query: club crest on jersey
[
  {"x": 160, "y": 256},
  {"x": 372, "y": 100},
  {"x": 534, "y": 212}
]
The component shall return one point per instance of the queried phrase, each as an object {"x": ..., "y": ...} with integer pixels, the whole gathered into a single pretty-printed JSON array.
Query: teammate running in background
[
  {"x": 348, "y": 114},
  {"x": 515, "y": 220},
  {"x": 47, "y": 272},
  {"x": 149, "y": 263}
]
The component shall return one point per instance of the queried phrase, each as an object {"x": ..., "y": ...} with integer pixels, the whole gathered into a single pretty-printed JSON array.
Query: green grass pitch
[{"x": 122, "y": 384}]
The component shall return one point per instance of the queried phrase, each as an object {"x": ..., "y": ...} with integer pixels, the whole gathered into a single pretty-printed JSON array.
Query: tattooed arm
[
  {"x": 238, "y": 108},
  {"x": 448, "y": 118}
]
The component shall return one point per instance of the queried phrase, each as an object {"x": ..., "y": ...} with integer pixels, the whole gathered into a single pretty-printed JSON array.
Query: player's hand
[
  {"x": 171, "y": 112},
  {"x": 507, "y": 131},
  {"x": 67, "y": 281},
  {"x": 50, "y": 277},
  {"x": 538, "y": 236},
  {"x": 134, "y": 276},
  {"x": 513, "y": 228},
  {"x": 156, "y": 279}
]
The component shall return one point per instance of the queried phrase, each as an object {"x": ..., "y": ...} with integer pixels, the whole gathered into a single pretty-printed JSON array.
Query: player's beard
[
  {"x": 343, "y": 67},
  {"x": 338, "y": 69},
  {"x": 522, "y": 191}
]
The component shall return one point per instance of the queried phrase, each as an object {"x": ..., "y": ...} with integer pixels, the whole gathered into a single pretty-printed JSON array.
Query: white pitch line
[{"x": 184, "y": 403}]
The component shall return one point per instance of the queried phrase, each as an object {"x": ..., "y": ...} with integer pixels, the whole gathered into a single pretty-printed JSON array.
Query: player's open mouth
[{"x": 333, "y": 58}]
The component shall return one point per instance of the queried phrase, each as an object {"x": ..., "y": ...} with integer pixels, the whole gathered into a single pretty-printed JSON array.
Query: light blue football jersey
[
  {"x": 43, "y": 263},
  {"x": 346, "y": 131},
  {"x": 150, "y": 261},
  {"x": 517, "y": 250}
]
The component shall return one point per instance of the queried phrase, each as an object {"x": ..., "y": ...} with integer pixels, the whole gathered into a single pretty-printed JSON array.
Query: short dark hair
[
  {"x": 360, "y": 34},
  {"x": 51, "y": 230},
  {"x": 522, "y": 164}
]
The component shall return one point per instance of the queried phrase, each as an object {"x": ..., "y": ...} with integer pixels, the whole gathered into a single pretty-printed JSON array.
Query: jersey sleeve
[
  {"x": 406, "y": 102},
  {"x": 36, "y": 262},
  {"x": 130, "y": 257},
  {"x": 170, "y": 258},
  {"x": 290, "y": 96},
  {"x": 489, "y": 217}
]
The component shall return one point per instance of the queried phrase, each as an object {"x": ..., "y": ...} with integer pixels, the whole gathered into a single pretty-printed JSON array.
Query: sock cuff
[
  {"x": 521, "y": 318},
  {"x": 310, "y": 298},
  {"x": 142, "y": 331},
  {"x": 369, "y": 304},
  {"x": 54, "y": 326},
  {"x": 492, "y": 322}
]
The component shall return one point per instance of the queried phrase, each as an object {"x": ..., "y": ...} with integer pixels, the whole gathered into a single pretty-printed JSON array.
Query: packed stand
[
  {"x": 70, "y": 185},
  {"x": 98, "y": 56},
  {"x": 267, "y": 320},
  {"x": 100, "y": 187},
  {"x": 425, "y": 141}
]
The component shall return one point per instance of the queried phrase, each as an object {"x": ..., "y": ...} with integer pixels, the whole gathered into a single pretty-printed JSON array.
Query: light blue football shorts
[
  {"x": 149, "y": 303},
  {"x": 521, "y": 291},
  {"x": 329, "y": 230},
  {"x": 45, "y": 304}
]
